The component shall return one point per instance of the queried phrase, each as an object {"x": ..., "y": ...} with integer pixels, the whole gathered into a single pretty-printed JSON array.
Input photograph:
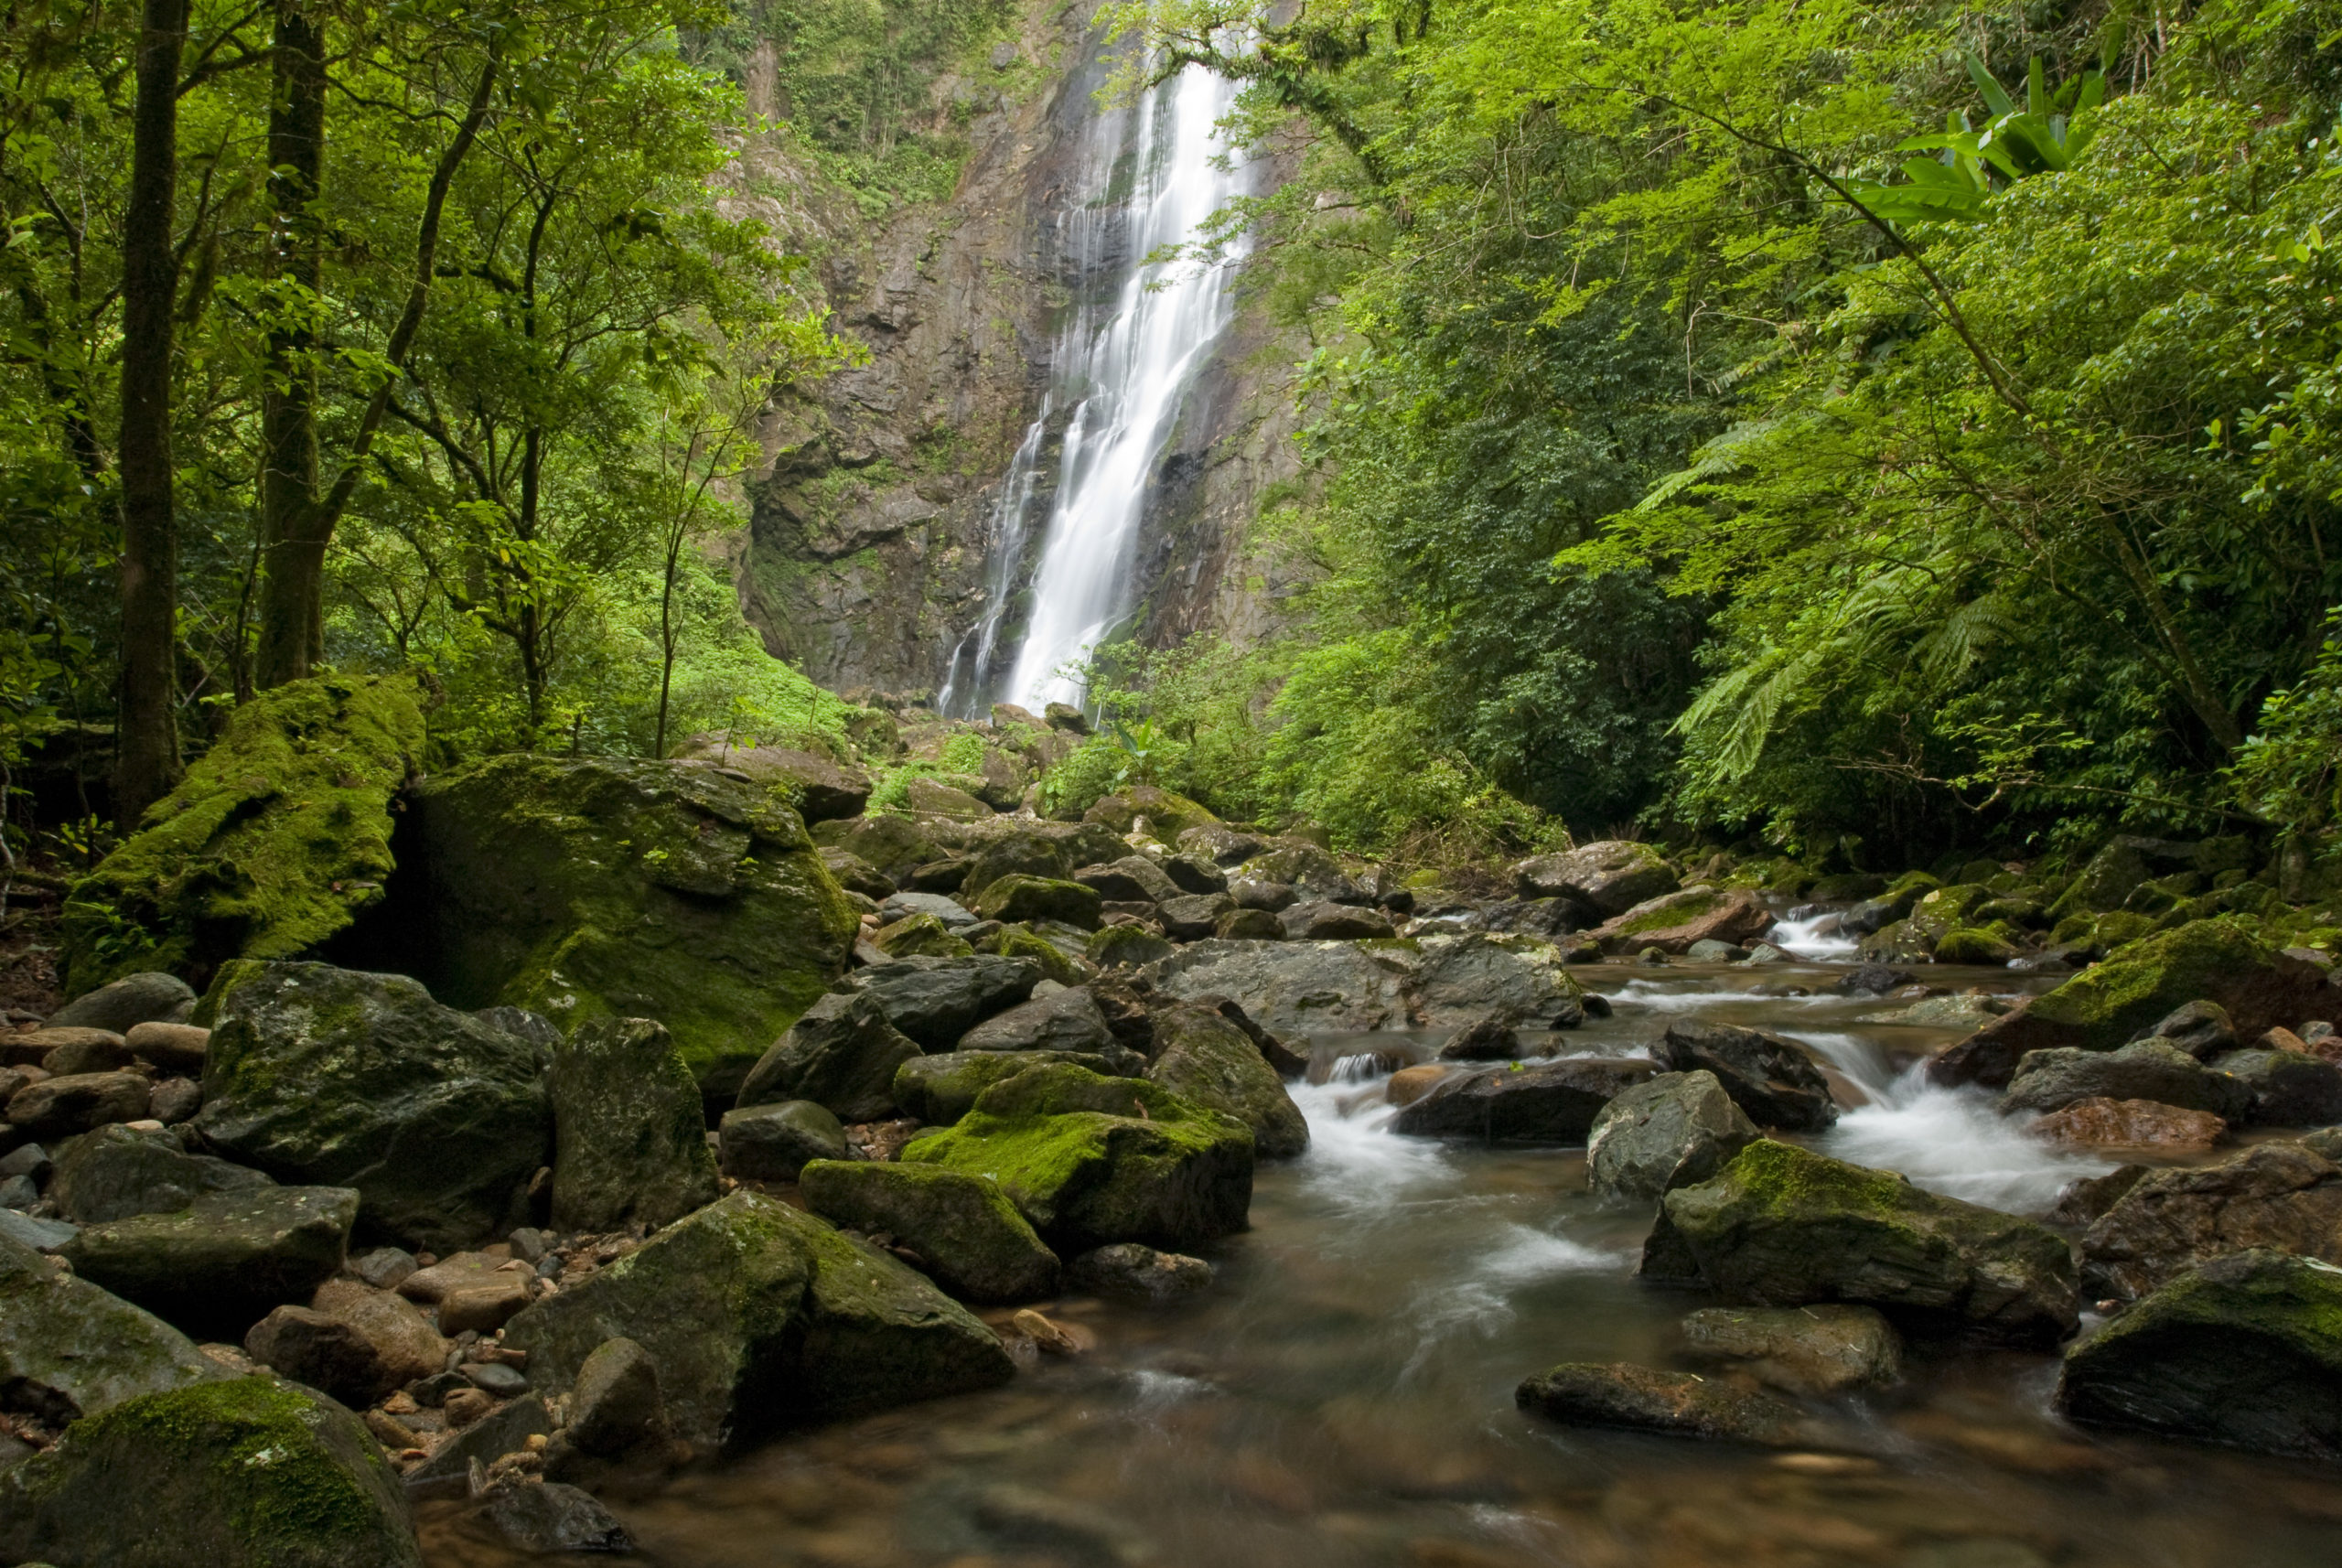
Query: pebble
[
  {"x": 465, "y": 1405},
  {"x": 385, "y": 1268},
  {"x": 492, "y": 1378}
]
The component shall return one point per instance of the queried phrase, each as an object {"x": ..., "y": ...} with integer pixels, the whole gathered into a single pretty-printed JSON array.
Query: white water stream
[{"x": 1125, "y": 363}]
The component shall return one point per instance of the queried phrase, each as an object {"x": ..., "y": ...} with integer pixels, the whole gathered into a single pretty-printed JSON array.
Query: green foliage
[{"x": 2290, "y": 770}]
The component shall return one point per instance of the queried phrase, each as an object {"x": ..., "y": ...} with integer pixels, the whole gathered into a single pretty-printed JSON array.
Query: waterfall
[{"x": 1123, "y": 364}]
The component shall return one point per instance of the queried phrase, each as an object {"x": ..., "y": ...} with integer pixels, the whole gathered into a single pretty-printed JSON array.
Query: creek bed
[{"x": 1342, "y": 1397}]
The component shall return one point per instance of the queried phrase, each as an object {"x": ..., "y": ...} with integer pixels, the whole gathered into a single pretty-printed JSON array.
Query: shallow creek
[{"x": 1343, "y": 1395}]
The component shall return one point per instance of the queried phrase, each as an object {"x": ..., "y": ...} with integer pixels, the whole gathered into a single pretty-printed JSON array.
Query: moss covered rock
[
  {"x": 1091, "y": 1160},
  {"x": 217, "y": 1265},
  {"x": 116, "y": 1172},
  {"x": 840, "y": 1055},
  {"x": 1672, "y": 922},
  {"x": 330, "y": 1076},
  {"x": 1168, "y": 814},
  {"x": 69, "y": 1350},
  {"x": 2221, "y": 960},
  {"x": 759, "y": 1315},
  {"x": 1784, "y": 1227},
  {"x": 1022, "y": 941},
  {"x": 277, "y": 838},
  {"x": 919, "y": 936},
  {"x": 247, "y": 1473},
  {"x": 1204, "y": 1058},
  {"x": 773, "y": 1142},
  {"x": 593, "y": 888},
  {"x": 630, "y": 1141},
  {"x": 2244, "y": 1350},
  {"x": 969, "y": 1236},
  {"x": 1974, "y": 944},
  {"x": 939, "y": 1089},
  {"x": 1020, "y": 898}
]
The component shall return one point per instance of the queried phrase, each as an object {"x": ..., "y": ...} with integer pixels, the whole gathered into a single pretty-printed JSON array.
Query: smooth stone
[
  {"x": 1552, "y": 1102},
  {"x": 1664, "y": 1132},
  {"x": 1674, "y": 1405},
  {"x": 772, "y": 1141},
  {"x": 1819, "y": 1349},
  {"x": 1770, "y": 1077}
]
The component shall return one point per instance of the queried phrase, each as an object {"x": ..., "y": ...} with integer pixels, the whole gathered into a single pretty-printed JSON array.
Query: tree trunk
[
  {"x": 293, "y": 530},
  {"x": 146, "y": 739}
]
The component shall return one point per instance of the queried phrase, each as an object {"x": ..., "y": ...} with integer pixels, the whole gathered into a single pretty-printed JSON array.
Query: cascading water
[{"x": 1123, "y": 364}]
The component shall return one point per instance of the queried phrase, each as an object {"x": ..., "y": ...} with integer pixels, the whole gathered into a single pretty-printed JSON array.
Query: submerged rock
[
  {"x": 2280, "y": 1196},
  {"x": 842, "y": 1055},
  {"x": 548, "y": 1515},
  {"x": 1205, "y": 1057},
  {"x": 1132, "y": 1273},
  {"x": 1551, "y": 1102},
  {"x": 1674, "y": 1405},
  {"x": 1664, "y": 1132},
  {"x": 1783, "y": 1227},
  {"x": 630, "y": 1139},
  {"x": 970, "y": 1239},
  {"x": 2241, "y": 1351},
  {"x": 1820, "y": 1349},
  {"x": 1770, "y": 1077}
]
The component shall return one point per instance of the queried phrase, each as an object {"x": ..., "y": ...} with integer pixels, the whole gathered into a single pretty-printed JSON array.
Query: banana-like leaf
[{"x": 1994, "y": 99}]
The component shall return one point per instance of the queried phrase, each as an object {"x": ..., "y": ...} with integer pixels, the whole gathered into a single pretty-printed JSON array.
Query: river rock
[
  {"x": 57, "y": 1108},
  {"x": 1194, "y": 873},
  {"x": 1132, "y": 879},
  {"x": 1130, "y": 1272},
  {"x": 819, "y": 788},
  {"x": 840, "y": 1055},
  {"x": 934, "y": 1001},
  {"x": 1205, "y": 1057},
  {"x": 1410, "y": 1084},
  {"x": 1674, "y": 1405},
  {"x": 1664, "y": 1132},
  {"x": 1781, "y": 1225},
  {"x": 1442, "y": 983},
  {"x": 114, "y": 1172},
  {"x": 1026, "y": 899},
  {"x": 1303, "y": 866},
  {"x": 1820, "y": 1349},
  {"x": 772, "y": 1141},
  {"x": 1194, "y": 917},
  {"x": 939, "y": 1090},
  {"x": 1608, "y": 877},
  {"x": 328, "y": 1077},
  {"x": 1263, "y": 897},
  {"x": 1770, "y": 1077},
  {"x": 1321, "y": 921},
  {"x": 1490, "y": 1040},
  {"x": 1674, "y": 922},
  {"x": 215, "y": 1266},
  {"x": 2147, "y": 1069},
  {"x": 2282, "y": 1196},
  {"x": 759, "y": 1316},
  {"x": 320, "y": 1351},
  {"x": 403, "y": 1341},
  {"x": 1130, "y": 946},
  {"x": 69, "y": 1350},
  {"x": 119, "y": 1006},
  {"x": 617, "y": 1406},
  {"x": 1220, "y": 843},
  {"x": 171, "y": 1047},
  {"x": 84, "y": 1051},
  {"x": 2221, "y": 960},
  {"x": 2285, "y": 1088},
  {"x": 969, "y": 1237},
  {"x": 1091, "y": 1160},
  {"x": 630, "y": 1139},
  {"x": 948, "y": 912},
  {"x": 1871, "y": 980},
  {"x": 539, "y": 1517},
  {"x": 2239, "y": 1350},
  {"x": 1065, "y": 1020},
  {"x": 588, "y": 887},
  {"x": 1170, "y": 814},
  {"x": 919, "y": 936},
  {"x": 2202, "y": 1029},
  {"x": 245, "y": 1473},
  {"x": 892, "y": 844},
  {"x": 2103, "y": 1123},
  {"x": 1551, "y": 1102}
]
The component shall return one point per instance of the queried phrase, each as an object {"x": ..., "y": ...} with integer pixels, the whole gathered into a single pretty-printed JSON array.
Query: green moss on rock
[{"x": 277, "y": 839}]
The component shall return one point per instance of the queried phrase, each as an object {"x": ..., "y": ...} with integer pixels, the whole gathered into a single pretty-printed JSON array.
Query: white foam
[{"x": 1817, "y": 937}]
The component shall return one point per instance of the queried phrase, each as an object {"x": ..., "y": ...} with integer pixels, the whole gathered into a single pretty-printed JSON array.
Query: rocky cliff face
[{"x": 865, "y": 561}]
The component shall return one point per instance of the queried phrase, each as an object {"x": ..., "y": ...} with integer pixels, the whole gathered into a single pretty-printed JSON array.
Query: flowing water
[
  {"x": 1125, "y": 360},
  {"x": 1342, "y": 1397}
]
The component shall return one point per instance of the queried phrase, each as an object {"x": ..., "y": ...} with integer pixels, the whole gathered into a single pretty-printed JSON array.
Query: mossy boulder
[
  {"x": 115, "y": 1172},
  {"x": 1021, "y": 852},
  {"x": 2222, "y": 960},
  {"x": 819, "y": 788},
  {"x": 969, "y": 1237},
  {"x": 1673, "y": 921},
  {"x": 919, "y": 936},
  {"x": 1203, "y": 1057},
  {"x": 1091, "y": 1160},
  {"x": 894, "y": 845},
  {"x": 2244, "y": 1350},
  {"x": 1023, "y": 941},
  {"x": 630, "y": 1141},
  {"x": 760, "y": 1316},
  {"x": 934, "y": 1001},
  {"x": 1975, "y": 944},
  {"x": 2115, "y": 872},
  {"x": 1132, "y": 945},
  {"x": 594, "y": 887},
  {"x": 217, "y": 1265},
  {"x": 330, "y": 1076},
  {"x": 275, "y": 840},
  {"x": 1782, "y": 1226},
  {"x": 69, "y": 1350},
  {"x": 939, "y": 1089},
  {"x": 1168, "y": 814},
  {"x": 840, "y": 1055},
  {"x": 247, "y": 1472},
  {"x": 1019, "y": 898}
]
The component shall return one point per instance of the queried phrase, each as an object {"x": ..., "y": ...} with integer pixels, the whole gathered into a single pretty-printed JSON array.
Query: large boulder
[
  {"x": 1608, "y": 878},
  {"x": 2115, "y": 872},
  {"x": 968, "y": 1236},
  {"x": 893, "y": 845},
  {"x": 1663, "y": 1134},
  {"x": 215, "y": 1266},
  {"x": 1091, "y": 1160},
  {"x": 69, "y": 1350},
  {"x": 772, "y": 1141},
  {"x": 1770, "y": 1076},
  {"x": 1673, "y": 921},
  {"x": 935, "y": 1000},
  {"x": 116, "y": 1172},
  {"x": 1782, "y": 1226},
  {"x": 1203, "y": 1057},
  {"x": 1431, "y": 982},
  {"x": 2283, "y": 1195},
  {"x": 1065, "y": 1020},
  {"x": 939, "y": 1090},
  {"x": 840, "y": 1055},
  {"x": 1132, "y": 879},
  {"x": 2147, "y": 1069},
  {"x": 2240, "y": 1350},
  {"x": 1674, "y": 1405},
  {"x": 630, "y": 1141},
  {"x": 331, "y": 1078},
  {"x": 759, "y": 1315},
  {"x": 1552, "y": 1103},
  {"x": 1168, "y": 815},
  {"x": 2106, "y": 1006},
  {"x": 2283, "y": 1089},
  {"x": 246, "y": 1472},
  {"x": 1020, "y": 898},
  {"x": 595, "y": 887},
  {"x": 275, "y": 840},
  {"x": 119, "y": 1006},
  {"x": 819, "y": 789}
]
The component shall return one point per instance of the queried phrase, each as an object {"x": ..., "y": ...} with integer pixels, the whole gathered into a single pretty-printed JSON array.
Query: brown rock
[
  {"x": 28, "y": 1047},
  {"x": 390, "y": 1432},
  {"x": 403, "y": 1338},
  {"x": 484, "y": 1308},
  {"x": 94, "y": 1050},
  {"x": 175, "y": 1099},
  {"x": 59, "y": 1107},
  {"x": 464, "y": 1406},
  {"x": 324, "y": 1352},
  {"x": 2280, "y": 1038},
  {"x": 882, "y": 1141},
  {"x": 2280, "y": 1195},
  {"x": 2101, "y": 1123},
  {"x": 437, "y": 1277},
  {"x": 1410, "y": 1084},
  {"x": 172, "y": 1047},
  {"x": 1674, "y": 922}
]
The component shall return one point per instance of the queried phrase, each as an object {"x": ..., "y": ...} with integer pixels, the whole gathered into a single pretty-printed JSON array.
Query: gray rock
[
  {"x": 1552, "y": 1103},
  {"x": 939, "y": 1090},
  {"x": 616, "y": 1406},
  {"x": 328, "y": 1077},
  {"x": 1322, "y": 921},
  {"x": 819, "y": 789},
  {"x": 1665, "y": 1133},
  {"x": 114, "y": 1172},
  {"x": 1269, "y": 897},
  {"x": 89, "y": 1051},
  {"x": 1443, "y": 981},
  {"x": 934, "y": 1001},
  {"x": 28, "y": 1160},
  {"x": 1608, "y": 877},
  {"x": 840, "y": 1055},
  {"x": 2285, "y": 1195},
  {"x": 1192, "y": 917},
  {"x": 523, "y": 1025},
  {"x": 322, "y": 1351},
  {"x": 2285, "y": 1089},
  {"x": 1132, "y": 879},
  {"x": 39, "y": 1235},
  {"x": 549, "y": 1516},
  {"x": 134, "y": 999},
  {"x": 1130, "y": 1272},
  {"x": 1490, "y": 1040},
  {"x": 1194, "y": 873},
  {"x": 1220, "y": 844},
  {"x": 495, "y": 1380},
  {"x": 57, "y": 1108},
  {"x": 1674, "y": 1405},
  {"x": 1065, "y": 1020},
  {"x": 2202, "y": 1029},
  {"x": 18, "y": 1193},
  {"x": 174, "y": 1101},
  {"x": 2148, "y": 1070},
  {"x": 69, "y": 1350},
  {"x": 1819, "y": 1349},
  {"x": 1130, "y": 945},
  {"x": 1768, "y": 1077},
  {"x": 629, "y": 1136},
  {"x": 385, "y": 1268},
  {"x": 214, "y": 1267},
  {"x": 1871, "y": 980},
  {"x": 902, "y": 906},
  {"x": 1208, "y": 1059},
  {"x": 772, "y": 1141},
  {"x": 968, "y": 1236},
  {"x": 505, "y": 1430}
]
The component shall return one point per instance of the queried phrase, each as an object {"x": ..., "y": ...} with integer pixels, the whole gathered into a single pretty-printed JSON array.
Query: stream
[{"x": 1342, "y": 1396}]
